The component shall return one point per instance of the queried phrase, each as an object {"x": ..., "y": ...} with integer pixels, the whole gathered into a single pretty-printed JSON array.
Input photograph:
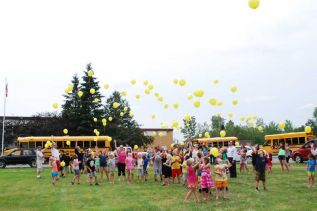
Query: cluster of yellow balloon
[
  {"x": 199, "y": 93},
  {"x": 48, "y": 144}
]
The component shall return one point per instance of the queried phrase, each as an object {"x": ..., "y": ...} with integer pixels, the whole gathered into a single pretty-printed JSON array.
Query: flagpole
[{"x": 4, "y": 116}]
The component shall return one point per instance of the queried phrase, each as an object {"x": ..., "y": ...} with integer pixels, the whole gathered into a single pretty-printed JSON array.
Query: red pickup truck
[{"x": 300, "y": 155}]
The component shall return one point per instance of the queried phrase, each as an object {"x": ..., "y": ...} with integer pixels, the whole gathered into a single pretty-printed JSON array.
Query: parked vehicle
[
  {"x": 19, "y": 156},
  {"x": 300, "y": 155}
]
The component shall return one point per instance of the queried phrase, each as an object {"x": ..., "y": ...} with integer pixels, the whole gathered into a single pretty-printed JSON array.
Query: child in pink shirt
[
  {"x": 192, "y": 180},
  {"x": 129, "y": 165}
]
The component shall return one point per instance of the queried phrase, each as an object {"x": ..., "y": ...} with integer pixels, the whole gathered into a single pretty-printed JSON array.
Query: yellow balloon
[
  {"x": 147, "y": 91},
  {"x": 308, "y": 129},
  {"x": 190, "y": 97},
  {"x": 90, "y": 73},
  {"x": 165, "y": 106},
  {"x": 160, "y": 133},
  {"x": 242, "y": 119},
  {"x": 62, "y": 164},
  {"x": 254, "y": 117},
  {"x": 104, "y": 120},
  {"x": 222, "y": 133},
  {"x": 110, "y": 139},
  {"x": 67, "y": 143},
  {"x": 182, "y": 143},
  {"x": 92, "y": 91},
  {"x": 216, "y": 82},
  {"x": 97, "y": 133},
  {"x": 95, "y": 119},
  {"x": 136, "y": 147},
  {"x": 95, "y": 130},
  {"x": 281, "y": 125},
  {"x": 153, "y": 116},
  {"x": 214, "y": 152},
  {"x": 121, "y": 114},
  {"x": 175, "y": 123},
  {"x": 104, "y": 123},
  {"x": 235, "y": 102},
  {"x": 65, "y": 131},
  {"x": 146, "y": 82},
  {"x": 55, "y": 105},
  {"x": 207, "y": 134},
  {"x": 233, "y": 89},
  {"x": 131, "y": 114},
  {"x": 199, "y": 93},
  {"x": 46, "y": 146},
  {"x": 237, "y": 144},
  {"x": 154, "y": 133},
  {"x": 80, "y": 93},
  {"x": 251, "y": 124},
  {"x": 160, "y": 98},
  {"x": 133, "y": 82},
  {"x": 175, "y": 81},
  {"x": 156, "y": 94},
  {"x": 115, "y": 105},
  {"x": 249, "y": 118},
  {"x": 124, "y": 93},
  {"x": 106, "y": 86},
  {"x": 126, "y": 109},
  {"x": 96, "y": 101},
  {"x": 200, "y": 135},
  {"x": 138, "y": 96},
  {"x": 260, "y": 128},
  {"x": 220, "y": 103},
  {"x": 218, "y": 114},
  {"x": 182, "y": 82},
  {"x": 230, "y": 115},
  {"x": 110, "y": 119},
  {"x": 187, "y": 117},
  {"x": 150, "y": 87},
  {"x": 175, "y": 105},
  {"x": 213, "y": 101},
  {"x": 196, "y": 104},
  {"x": 254, "y": 4}
]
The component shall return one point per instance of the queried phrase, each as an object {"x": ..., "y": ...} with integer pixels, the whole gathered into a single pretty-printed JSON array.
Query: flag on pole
[{"x": 7, "y": 88}]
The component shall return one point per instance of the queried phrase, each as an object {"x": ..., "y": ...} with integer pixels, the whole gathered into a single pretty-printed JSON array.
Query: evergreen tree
[
  {"x": 91, "y": 106},
  {"x": 72, "y": 107},
  {"x": 123, "y": 128},
  {"x": 190, "y": 127}
]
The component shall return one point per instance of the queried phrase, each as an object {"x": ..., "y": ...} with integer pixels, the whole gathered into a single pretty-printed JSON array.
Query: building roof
[{"x": 157, "y": 129}]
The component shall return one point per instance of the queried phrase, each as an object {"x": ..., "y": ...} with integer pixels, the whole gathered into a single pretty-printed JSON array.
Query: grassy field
[{"x": 20, "y": 190}]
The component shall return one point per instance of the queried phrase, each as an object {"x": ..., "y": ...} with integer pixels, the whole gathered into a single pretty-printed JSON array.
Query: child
[
  {"x": 91, "y": 169},
  {"x": 140, "y": 164},
  {"x": 206, "y": 181},
  {"x": 54, "y": 170},
  {"x": 221, "y": 180},
  {"x": 260, "y": 166},
  {"x": 157, "y": 165},
  {"x": 76, "y": 169},
  {"x": 103, "y": 164},
  {"x": 146, "y": 161},
  {"x": 243, "y": 161},
  {"x": 191, "y": 180},
  {"x": 176, "y": 167},
  {"x": 184, "y": 167},
  {"x": 311, "y": 170},
  {"x": 97, "y": 162},
  {"x": 167, "y": 169},
  {"x": 111, "y": 167},
  {"x": 129, "y": 165},
  {"x": 269, "y": 162}
]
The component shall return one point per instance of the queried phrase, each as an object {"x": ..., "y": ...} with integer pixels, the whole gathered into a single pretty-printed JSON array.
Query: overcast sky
[{"x": 268, "y": 53}]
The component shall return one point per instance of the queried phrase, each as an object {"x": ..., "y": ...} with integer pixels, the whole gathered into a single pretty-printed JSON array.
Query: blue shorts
[
  {"x": 77, "y": 172},
  {"x": 54, "y": 174},
  {"x": 158, "y": 171}
]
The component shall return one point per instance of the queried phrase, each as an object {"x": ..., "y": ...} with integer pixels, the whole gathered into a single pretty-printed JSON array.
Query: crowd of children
[{"x": 189, "y": 166}]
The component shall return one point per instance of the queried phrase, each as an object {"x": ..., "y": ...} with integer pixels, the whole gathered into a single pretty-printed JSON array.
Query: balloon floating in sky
[
  {"x": 153, "y": 116},
  {"x": 65, "y": 131},
  {"x": 90, "y": 73},
  {"x": 67, "y": 143},
  {"x": 95, "y": 119},
  {"x": 115, "y": 105},
  {"x": 307, "y": 129},
  {"x": 187, "y": 117},
  {"x": 220, "y": 103},
  {"x": 175, "y": 81},
  {"x": 147, "y": 91},
  {"x": 235, "y": 102},
  {"x": 260, "y": 128},
  {"x": 196, "y": 104},
  {"x": 176, "y": 105},
  {"x": 80, "y": 93},
  {"x": 213, "y": 101},
  {"x": 150, "y": 87},
  {"x": 124, "y": 93},
  {"x": 106, "y": 86},
  {"x": 125, "y": 108},
  {"x": 199, "y": 93},
  {"x": 160, "y": 98},
  {"x": 233, "y": 89},
  {"x": 190, "y": 97},
  {"x": 137, "y": 97},
  {"x": 182, "y": 82},
  {"x": 200, "y": 135},
  {"x": 249, "y": 118},
  {"x": 156, "y": 94},
  {"x": 207, "y": 134},
  {"x": 133, "y": 82},
  {"x": 216, "y": 82},
  {"x": 92, "y": 91},
  {"x": 281, "y": 125},
  {"x": 121, "y": 114},
  {"x": 55, "y": 105},
  {"x": 254, "y": 4},
  {"x": 230, "y": 115},
  {"x": 222, "y": 133},
  {"x": 146, "y": 82},
  {"x": 166, "y": 106},
  {"x": 242, "y": 119},
  {"x": 110, "y": 119}
]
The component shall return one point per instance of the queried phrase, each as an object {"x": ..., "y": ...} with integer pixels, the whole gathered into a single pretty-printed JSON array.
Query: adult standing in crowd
[
  {"x": 313, "y": 149},
  {"x": 281, "y": 157},
  {"x": 232, "y": 157},
  {"x": 39, "y": 161},
  {"x": 121, "y": 155}
]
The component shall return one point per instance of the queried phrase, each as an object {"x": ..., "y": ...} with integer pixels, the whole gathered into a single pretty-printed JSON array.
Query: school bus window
[
  {"x": 93, "y": 144},
  {"x": 301, "y": 140},
  {"x": 24, "y": 145},
  {"x": 101, "y": 144},
  {"x": 59, "y": 144},
  {"x": 72, "y": 144},
  {"x": 80, "y": 144},
  {"x": 275, "y": 143},
  {"x": 39, "y": 144},
  {"x": 65, "y": 145},
  {"x": 295, "y": 141},
  {"x": 225, "y": 144},
  {"x": 268, "y": 143},
  {"x": 289, "y": 141},
  {"x": 31, "y": 144},
  {"x": 86, "y": 144}
]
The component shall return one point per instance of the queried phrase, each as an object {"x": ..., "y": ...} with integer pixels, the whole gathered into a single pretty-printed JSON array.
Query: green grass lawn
[{"x": 20, "y": 190}]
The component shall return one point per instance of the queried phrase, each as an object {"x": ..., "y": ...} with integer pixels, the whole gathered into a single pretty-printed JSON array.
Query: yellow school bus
[
  {"x": 217, "y": 141},
  {"x": 295, "y": 140},
  {"x": 102, "y": 142}
]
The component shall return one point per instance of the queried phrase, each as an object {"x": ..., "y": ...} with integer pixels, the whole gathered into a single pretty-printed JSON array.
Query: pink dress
[
  {"x": 206, "y": 180},
  {"x": 129, "y": 163},
  {"x": 191, "y": 177}
]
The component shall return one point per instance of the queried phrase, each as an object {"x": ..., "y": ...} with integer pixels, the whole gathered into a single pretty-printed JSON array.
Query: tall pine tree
[{"x": 189, "y": 129}]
